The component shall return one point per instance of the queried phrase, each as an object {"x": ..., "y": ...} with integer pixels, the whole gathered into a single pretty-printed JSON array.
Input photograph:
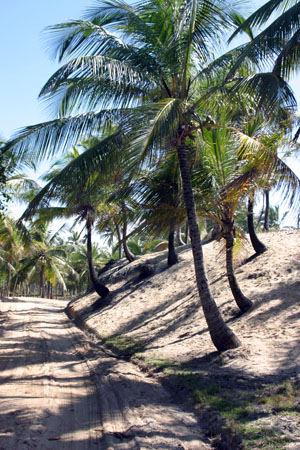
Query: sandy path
[{"x": 58, "y": 391}]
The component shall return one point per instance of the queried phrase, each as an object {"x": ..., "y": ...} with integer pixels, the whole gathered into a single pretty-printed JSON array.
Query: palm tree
[
  {"x": 89, "y": 214},
  {"x": 159, "y": 201},
  {"x": 83, "y": 211},
  {"x": 146, "y": 78},
  {"x": 222, "y": 180},
  {"x": 275, "y": 135},
  {"x": 258, "y": 246},
  {"x": 45, "y": 259},
  {"x": 11, "y": 248},
  {"x": 78, "y": 259}
]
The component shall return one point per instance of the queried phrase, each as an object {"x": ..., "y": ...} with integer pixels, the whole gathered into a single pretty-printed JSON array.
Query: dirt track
[{"x": 57, "y": 391}]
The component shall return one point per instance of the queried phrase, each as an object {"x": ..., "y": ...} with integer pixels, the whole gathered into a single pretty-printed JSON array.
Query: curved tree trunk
[
  {"x": 241, "y": 300},
  {"x": 119, "y": 237},
  {"x": 267, "y": 212},
  {"x": 178, "y": 237},
  {"x": 100, "y": 288},
  {"x": 172, "y": 255},
  {"x": 222, "y": 336},
  {"x": 129, "y": 256},
  {"x": 90, "y": 285},
  {"x": 257, "y": 245}
]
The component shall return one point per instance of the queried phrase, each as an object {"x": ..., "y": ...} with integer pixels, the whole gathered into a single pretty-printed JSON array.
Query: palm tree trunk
[
  {"x": 172, "y": 255},
  {"x": 14, "y": 289},
  {"x": 257, "y": 245},
  {"x": 178, "y": 237},
  {"x": 241, "y": 300},
  {"x": 129, "y": 256},
  {"x": 100, "y": 288},
  {"x": 222, "y": 336},
  {"x": 119, "y": 239},
  {"x": 267, "y": 212},
  {"x": 42, "y": 276},
  {"x": 8, "y": 282},
  {"x": 186, "y": 239}
]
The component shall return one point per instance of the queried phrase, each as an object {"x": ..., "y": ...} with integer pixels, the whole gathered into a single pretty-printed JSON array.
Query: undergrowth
[
  {"x": 124, "y": 346},
  {"x": 254, "y": 412}
]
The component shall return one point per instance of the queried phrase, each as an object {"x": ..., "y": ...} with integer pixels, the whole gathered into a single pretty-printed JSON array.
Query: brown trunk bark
[
  {"x": 222, "y": 336},
  {"x": 241, "y": 300},
  {"x": 172, "y": 255},
  {"x": 257, "y": 245},
  {"x": 119, "y": 239},
  {"x": 186, "y": 239},
  {"x": 42, "y": 288},
  {"x": 100, "y": 288},
  {"x": 129, "y": 256},
  {"x": 8, "y": 282}
]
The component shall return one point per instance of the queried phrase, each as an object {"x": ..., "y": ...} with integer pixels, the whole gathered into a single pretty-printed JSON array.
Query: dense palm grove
[{"x": 160, "y": 136}]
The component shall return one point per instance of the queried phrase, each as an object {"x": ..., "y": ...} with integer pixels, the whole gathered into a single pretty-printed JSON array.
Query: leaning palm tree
[
  {"x": 159, "y": 202},
  {"x": 222, "y": 180},
  {"x": 276, "y": 136},
  {"x": 88, "y": 213},
  {"x": 78, "y": 259},
  {"x": 83, "y": 211},
  {"x": 140, "y": 66}
]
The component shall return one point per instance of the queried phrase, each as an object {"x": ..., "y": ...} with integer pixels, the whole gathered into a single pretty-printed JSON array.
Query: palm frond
[
  {"x": 158, "y": 121},
  {"x": 268, "y": 89},
  {"x": 78, "y": 37},
  {"x": 76, "y": 177},
  {"x": 46, "y": 139},
  {"x": 72, "y": 96},
  {"x": 269, "y": 43},
  {"x": 272, "y": 170},
  {"x": 287, "y": 62},
  {"x": 260, "y": 16}
]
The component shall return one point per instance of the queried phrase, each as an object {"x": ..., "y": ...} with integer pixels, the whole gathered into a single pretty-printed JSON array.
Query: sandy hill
[{"x": 158, "y": 321}]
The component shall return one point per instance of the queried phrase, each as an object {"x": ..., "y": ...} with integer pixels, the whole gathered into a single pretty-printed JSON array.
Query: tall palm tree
[
  {"x": 222, "y": 180},
  {"x": 140, "y": 65},
  {"x": 89, "y": 214}
]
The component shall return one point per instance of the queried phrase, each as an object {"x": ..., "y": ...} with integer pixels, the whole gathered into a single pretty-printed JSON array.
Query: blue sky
[{"x": 26, "y": 65}]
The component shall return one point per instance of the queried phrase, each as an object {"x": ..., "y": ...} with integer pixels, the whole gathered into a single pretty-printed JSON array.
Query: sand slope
[{"x": 163, "y": 311}]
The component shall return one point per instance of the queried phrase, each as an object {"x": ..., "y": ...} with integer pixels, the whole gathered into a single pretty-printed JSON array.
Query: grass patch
[
  {"x": 282, "y": 397},
  {"x": 249, "y": 411},
  {"x": 123, "y": 345},
  {"x": 160, "y": 364},
  {"x": 263, "y": 438}
]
